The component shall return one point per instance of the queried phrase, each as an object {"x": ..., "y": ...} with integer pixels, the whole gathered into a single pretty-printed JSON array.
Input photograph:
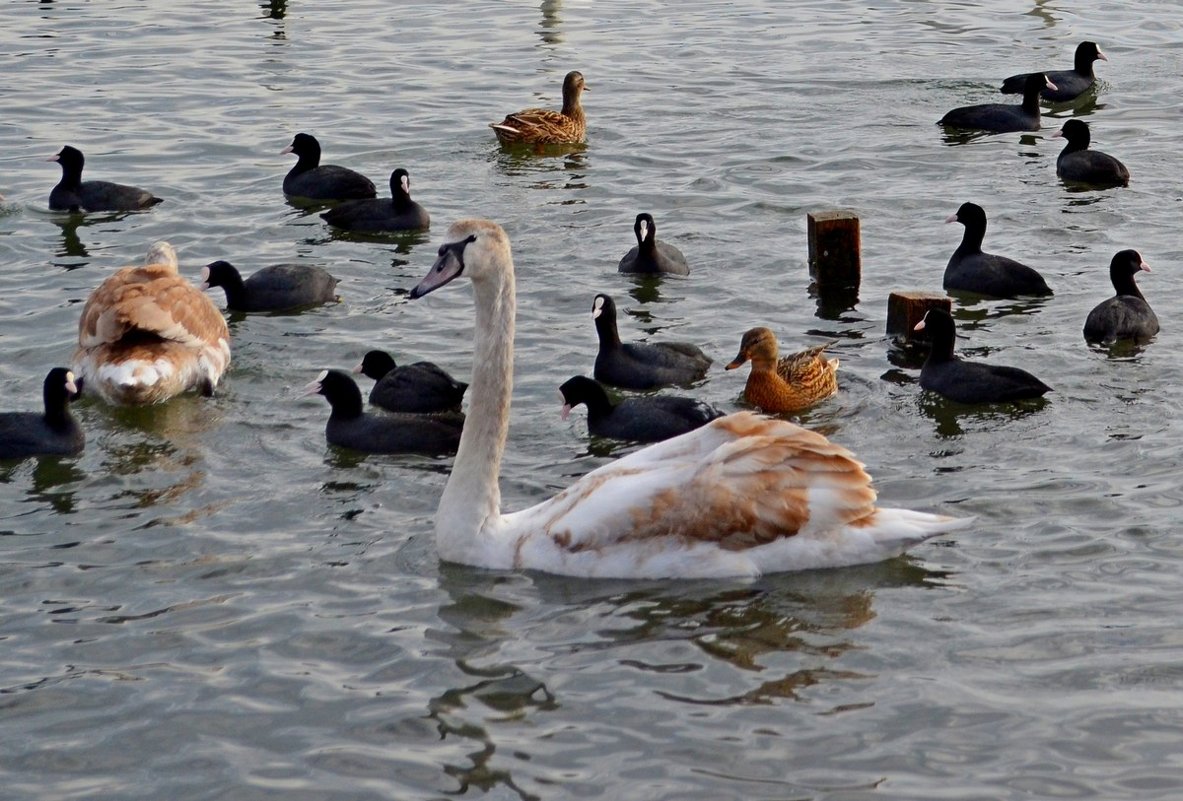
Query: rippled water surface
[{"x": 210, "y": 603}]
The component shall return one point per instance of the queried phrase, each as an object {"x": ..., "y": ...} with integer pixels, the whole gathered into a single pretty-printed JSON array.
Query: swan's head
[
  {"x": 477, "y": 249},
  {"x": 162, "y": 253}
]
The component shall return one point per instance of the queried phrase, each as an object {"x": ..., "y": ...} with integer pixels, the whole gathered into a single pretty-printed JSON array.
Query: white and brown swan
[
  {"x": 147, "y": 334},
  {"x": 741, "y": 496}
]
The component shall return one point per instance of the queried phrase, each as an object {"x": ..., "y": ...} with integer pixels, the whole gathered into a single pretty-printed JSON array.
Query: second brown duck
[{"x": 779, "y": 385}]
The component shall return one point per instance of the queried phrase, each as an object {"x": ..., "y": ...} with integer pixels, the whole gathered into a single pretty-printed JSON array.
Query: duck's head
[
  {"x": 477, "y": 249},
  {"x": 758, "y": 345}
]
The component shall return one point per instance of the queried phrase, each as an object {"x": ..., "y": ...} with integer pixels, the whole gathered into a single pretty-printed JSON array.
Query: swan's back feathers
[
  {"x": 754, "y": 482},
  {"x": 152, "y": 299}
]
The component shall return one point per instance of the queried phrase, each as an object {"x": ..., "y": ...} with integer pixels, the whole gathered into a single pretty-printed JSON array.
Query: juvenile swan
[{"x": 741, "y": 496}]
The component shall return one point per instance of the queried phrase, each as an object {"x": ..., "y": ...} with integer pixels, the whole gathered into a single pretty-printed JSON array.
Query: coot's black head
[
  {"x": 581, "y": 389},
  {"x": 603, "y": 307},
  {"x": 1086, "y": 54},
  {"x": 70, "y": 158},
  {"x": 339, "y": 390},
  {"x": 305, "y": 146},
  {"x": 971, "y": 215},
  {"x": 400, "y": 183},
  {"x": 1076, "y": 132},
  {"x": 644, "y": 227},
  {"x": 219, "y": 273},
  {"x": 1123, "y": 267},
  {"x": 375, "y": 364},
  {"x": 941, "y": 330},
  {"x": 59, "y": 388},
  {"x": 1036, "y": 82}
]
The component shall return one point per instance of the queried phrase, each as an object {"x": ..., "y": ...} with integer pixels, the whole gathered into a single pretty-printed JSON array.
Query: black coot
[
  {"x": 397, "y": 213},
  {"x": 76, "y": 195},
  {"x": 1002, "y": 117},
  {"x": 53, "y": 432},
  {"x": 651, "y": 256},
  {"x": 420, "y": 387},
  {"x": 315, "y": 181},
  {"x": 1127, "y": 315},
  {"x": 350, "y": 426},
  {"x": 1077, "y": 164},
  {"x": 639, "y": 365},
  {"x": 969, "y": 382},
  {"x": 971, "y": 270},
  {"x": 643, "y": 419},
  {"x": 279, "y": 287},
  {"x": 1070, "y": 84}
]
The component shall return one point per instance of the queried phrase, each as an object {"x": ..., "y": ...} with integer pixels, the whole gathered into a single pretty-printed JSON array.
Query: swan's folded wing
[
  {"x": 740, "y": 481},
  {"x": 152, "y": 300}
]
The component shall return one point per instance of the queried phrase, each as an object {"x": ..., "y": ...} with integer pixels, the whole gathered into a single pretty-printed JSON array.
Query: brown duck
[
  {"x": 545, "y": 126},
  {"x": 788, "y": 384}
]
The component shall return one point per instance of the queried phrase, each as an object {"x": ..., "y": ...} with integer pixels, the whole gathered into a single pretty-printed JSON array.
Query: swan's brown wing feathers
[{"x": 151, "y": 300}]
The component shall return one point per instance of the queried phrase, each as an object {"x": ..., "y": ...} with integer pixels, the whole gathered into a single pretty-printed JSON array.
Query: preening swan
[{"x": 741, "y": 496}]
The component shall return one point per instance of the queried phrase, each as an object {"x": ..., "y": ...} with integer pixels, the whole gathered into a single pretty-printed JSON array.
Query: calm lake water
[{"x": 210, "y": 603}]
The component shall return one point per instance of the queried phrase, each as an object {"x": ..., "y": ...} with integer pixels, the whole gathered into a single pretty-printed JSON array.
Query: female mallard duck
[
  {"x": 788, "y": 384},
  {"x": 543, "y": 126},
  {"x": 741, "y": 496},
  {"x": 147, "y": 334}
]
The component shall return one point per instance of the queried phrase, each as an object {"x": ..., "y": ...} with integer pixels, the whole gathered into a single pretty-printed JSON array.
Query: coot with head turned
[
  {"x": 1069, "y": 84},
  {"x": 969, "y": 382},
  {"x": 419, "y": 387},
  {"x": 643, "y": 419},
  {"x": 279, "y": 287},
  {"x": 376, "y": 215},
  {"x": 349, "y": 426},
  {"x": 1077, "y": 164},
  {"x": 638, "y": 365},
  {"x": 76, "y": 195},
  {"x": 971, "y": 270},
  {"x": 1126, "y": 315},
  {"x": 1002, "y": 117},
  {"x": 312, "y": 180},
  {"x": 53, "y": 432}
]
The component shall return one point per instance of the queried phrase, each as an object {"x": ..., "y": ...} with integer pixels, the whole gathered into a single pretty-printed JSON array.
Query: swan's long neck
[{"x": 471, "y": 503}]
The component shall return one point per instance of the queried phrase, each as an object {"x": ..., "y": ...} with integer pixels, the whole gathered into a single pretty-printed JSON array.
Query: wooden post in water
[
  {"x": 835, "y": 260},
  {"x": 905, "y": 309}
]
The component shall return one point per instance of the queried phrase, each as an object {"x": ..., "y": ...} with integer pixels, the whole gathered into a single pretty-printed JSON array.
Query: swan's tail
[{"x": 900, "y": 529}]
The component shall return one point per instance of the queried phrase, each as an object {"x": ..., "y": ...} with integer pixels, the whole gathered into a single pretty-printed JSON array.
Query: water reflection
[
  {"x": 275, "y": 9},
  {"x": 761, "y": 642},
  {"x": 548, "y": 28},
  {"x": 952, "y": 418}
]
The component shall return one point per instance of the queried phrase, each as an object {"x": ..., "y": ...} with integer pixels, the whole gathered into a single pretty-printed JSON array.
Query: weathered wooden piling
[
  {"x": 835, "y": 259},
  {"x": 905, "y": 309}
]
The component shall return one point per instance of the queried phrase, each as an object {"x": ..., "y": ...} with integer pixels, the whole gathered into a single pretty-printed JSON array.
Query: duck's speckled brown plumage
[
  {"x": 544, "y": 126},
  {"x": 788, "y": 384}
]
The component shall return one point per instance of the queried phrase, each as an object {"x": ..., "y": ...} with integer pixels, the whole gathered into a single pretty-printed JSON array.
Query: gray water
[{"x": 210, "y": 603}]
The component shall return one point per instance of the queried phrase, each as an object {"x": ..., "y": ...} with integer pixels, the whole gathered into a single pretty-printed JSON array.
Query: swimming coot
[
  {"x": 419, "y": 387},
  {"x": 1069, "y": 84},
  {"x": 642, "y": 419},
  {"x": 969, "y": 382},
  {"x": 971, "y": 270},
  {"x": 1002, "y": 117},
  {"x": 1077, "y": 164},
  {"x": 398, "y": 213},
  {"x": 53, "y": 432},
  {"x": 651, "y": 256},
  {"x": 350, "y": 426},
  {"x": 76, "y": 195},
  {"x": 637, "y": 365},
  {"x": 276, "y": 288},
  {"x": 1127, "y": 315},
  {"x": 315, "y": 181}
]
